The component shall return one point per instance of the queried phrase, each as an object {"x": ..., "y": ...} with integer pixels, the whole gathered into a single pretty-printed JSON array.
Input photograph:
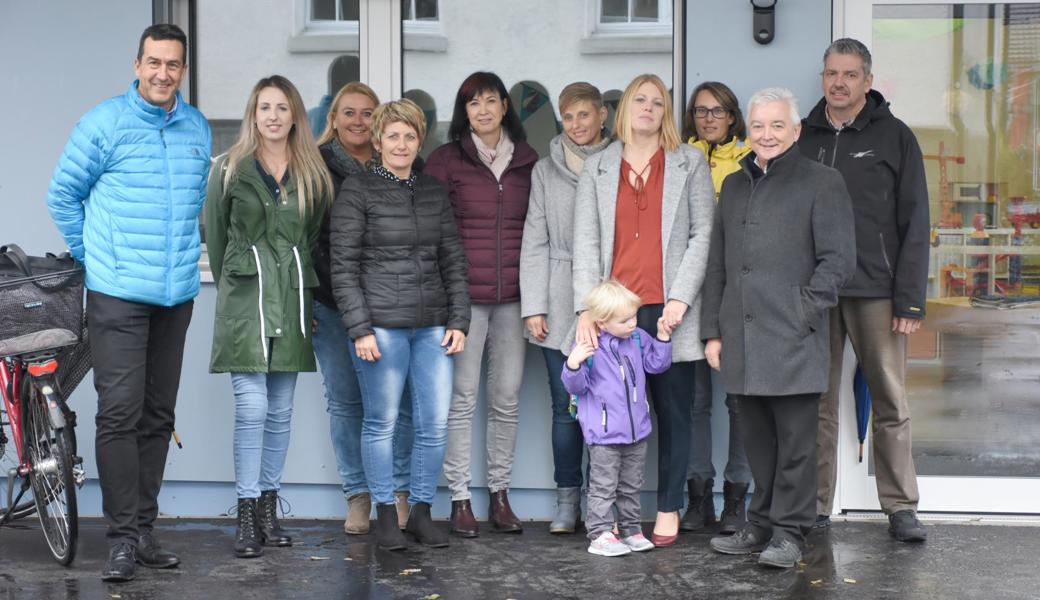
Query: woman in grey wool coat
[{"x": 546, "y": 296}]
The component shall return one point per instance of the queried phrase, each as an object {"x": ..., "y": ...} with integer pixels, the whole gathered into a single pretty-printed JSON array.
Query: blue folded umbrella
[{"x": 862, "y": 392}]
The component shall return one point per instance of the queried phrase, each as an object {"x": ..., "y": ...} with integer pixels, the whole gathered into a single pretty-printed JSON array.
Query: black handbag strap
[{"x": 17, "y": 256}]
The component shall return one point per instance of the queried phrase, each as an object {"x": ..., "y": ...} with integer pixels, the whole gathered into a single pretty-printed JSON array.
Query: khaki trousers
[{"x": 882, "y": 356}]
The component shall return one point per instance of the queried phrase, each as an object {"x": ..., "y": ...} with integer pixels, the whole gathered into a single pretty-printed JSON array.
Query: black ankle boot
[
  {"x": 271, "y": 532},
  {"x": 247, "y": 539},
  {"x": 700, "y": 510},
  {"x": 733, "y": 512},
  {"x": 420, "y": 524},
  {"x": 388, "y": 533}
]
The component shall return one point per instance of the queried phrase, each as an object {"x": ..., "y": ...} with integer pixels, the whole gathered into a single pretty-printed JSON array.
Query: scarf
[
  {"x": 497, "y": 158},
  {"x": 576, "y": 155}
]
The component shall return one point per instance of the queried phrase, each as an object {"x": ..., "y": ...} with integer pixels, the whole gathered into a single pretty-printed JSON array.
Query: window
[
  {"x": 634, "y": 16},
  {"x": 333, "y": 14},
  {"x": 419, "y": 11},
  {"x": 325, "y": 26},
  {"x": 551, "y": 59},
  {"x": 625, "y": 26},
  {"x": 629, "y": 11},
  {"x": 421, "y": 25}
]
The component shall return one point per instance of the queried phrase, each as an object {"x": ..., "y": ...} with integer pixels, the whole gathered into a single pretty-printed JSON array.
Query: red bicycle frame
[{"x": 10, "y": 379}]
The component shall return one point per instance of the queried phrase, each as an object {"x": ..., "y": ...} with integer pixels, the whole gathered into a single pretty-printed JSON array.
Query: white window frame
[
  {"x": 422, "y": 25},
  {"x": 618, "y": 38},
  {"x": 662, "y": 25},
  {"x": 424, "y": 35},
  {"x": 322, "y": 35}
]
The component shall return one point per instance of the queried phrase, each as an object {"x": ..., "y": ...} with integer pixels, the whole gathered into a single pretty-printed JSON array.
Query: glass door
[{"x": 965, "y": 77}]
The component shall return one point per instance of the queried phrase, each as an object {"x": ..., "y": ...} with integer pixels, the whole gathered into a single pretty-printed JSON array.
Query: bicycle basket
[
  {"x": 74, "y": 362},
  {"x": 38, "y": 293}
]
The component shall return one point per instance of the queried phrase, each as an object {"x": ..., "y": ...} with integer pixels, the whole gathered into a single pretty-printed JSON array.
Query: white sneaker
[
  {"x": 638, "y": 543},
  {"x": 608, "y": 545}
]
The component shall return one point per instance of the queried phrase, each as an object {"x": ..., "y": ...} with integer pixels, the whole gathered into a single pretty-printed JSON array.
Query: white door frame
[{"x": 856, "y": 488}]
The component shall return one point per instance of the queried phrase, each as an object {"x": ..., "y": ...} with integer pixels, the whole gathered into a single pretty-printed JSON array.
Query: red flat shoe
[{"x": 663, "y": 540}]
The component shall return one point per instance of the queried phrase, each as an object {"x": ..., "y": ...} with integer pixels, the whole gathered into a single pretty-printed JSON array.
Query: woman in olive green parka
[
  {"x": 253, "y": 217},
  {"x": 266, "y": 200}
]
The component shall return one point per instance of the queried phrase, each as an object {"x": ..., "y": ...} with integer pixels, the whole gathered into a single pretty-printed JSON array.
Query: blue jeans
[
  {"x": 263, "y": 411},
  {"x": 737, "y": 468},
  {"x": 568, "y": 445},
  {"x": 412, "y": 357},
  {"x": 333, "y": 349}
]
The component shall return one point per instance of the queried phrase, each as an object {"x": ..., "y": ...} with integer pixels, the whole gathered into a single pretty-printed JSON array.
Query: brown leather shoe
[
  {"x": 501, "y": 515},
  {"x": 463, "y": 523}
]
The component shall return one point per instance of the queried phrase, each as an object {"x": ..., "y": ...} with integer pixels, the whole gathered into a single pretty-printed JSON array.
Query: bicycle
[{"x": 36, "y": 366}]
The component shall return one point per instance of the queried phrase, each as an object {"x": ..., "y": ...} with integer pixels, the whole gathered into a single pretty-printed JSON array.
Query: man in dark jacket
[
  {"x": 781, "y": 248},
  {"x": 852, "y": 130}
]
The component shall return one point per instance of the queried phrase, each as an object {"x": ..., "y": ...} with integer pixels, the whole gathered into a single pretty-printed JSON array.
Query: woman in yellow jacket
[{"x": 715, "y": 125}]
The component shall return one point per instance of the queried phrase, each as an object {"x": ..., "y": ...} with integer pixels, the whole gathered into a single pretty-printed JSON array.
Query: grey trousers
[
  {"x": 701, "y": 467},
  {"x": 499, "y": 328},
  {"x": 882, "y": 356},
  {"x": 616, "y": 473}
]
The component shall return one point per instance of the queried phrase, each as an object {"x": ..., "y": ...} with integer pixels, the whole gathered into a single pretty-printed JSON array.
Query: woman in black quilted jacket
[{"x": 400, "y": 282}]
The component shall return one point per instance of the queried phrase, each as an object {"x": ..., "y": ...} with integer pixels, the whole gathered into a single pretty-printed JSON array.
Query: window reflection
[
  {"x": 536, "y": 48},
  {"x": 972, "y": 97}
]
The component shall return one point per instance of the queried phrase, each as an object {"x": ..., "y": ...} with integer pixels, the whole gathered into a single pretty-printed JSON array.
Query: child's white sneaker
[
  {"x": 638, "y": 543},
  {"x": 608, "y": 545}
]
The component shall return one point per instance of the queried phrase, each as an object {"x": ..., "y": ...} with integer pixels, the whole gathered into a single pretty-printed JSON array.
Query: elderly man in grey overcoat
[{"x": 782, "y": 246}]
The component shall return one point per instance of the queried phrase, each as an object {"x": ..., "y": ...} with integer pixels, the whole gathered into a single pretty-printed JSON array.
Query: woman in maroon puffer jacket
[{"x": 486, "y": 167}]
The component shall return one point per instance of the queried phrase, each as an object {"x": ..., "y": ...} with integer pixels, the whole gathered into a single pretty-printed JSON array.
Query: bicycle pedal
[{"x": 79, "y": 476}]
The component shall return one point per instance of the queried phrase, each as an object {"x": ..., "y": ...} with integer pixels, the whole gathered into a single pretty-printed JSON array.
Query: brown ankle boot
[
  {"x": 463, "y": 523},
  {"x": 501, "y": 515},
  {"x": 359, "y": 510}
]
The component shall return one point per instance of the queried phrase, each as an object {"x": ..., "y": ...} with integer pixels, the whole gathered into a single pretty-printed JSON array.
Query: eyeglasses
[{"x": 702, "y": 111}]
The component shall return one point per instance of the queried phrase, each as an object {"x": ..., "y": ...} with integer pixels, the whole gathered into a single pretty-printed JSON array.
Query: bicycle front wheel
[{"x": 51, "y": 461}]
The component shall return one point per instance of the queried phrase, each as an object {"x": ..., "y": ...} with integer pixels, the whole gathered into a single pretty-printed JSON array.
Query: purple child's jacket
[{"x": 612, "y": 410}]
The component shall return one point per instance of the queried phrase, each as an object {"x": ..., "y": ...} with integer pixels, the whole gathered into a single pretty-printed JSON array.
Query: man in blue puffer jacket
[{"x": 126, "y": 196}]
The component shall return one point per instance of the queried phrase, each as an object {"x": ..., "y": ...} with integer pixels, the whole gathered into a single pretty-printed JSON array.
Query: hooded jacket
[
  {"x": 259, "y": 255},
  {"x": 723, "y": 159},
  {"x": 880, "y": 160},
  {"x": 490, "y": 214},
  {"x": 612, "y": 402}
]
